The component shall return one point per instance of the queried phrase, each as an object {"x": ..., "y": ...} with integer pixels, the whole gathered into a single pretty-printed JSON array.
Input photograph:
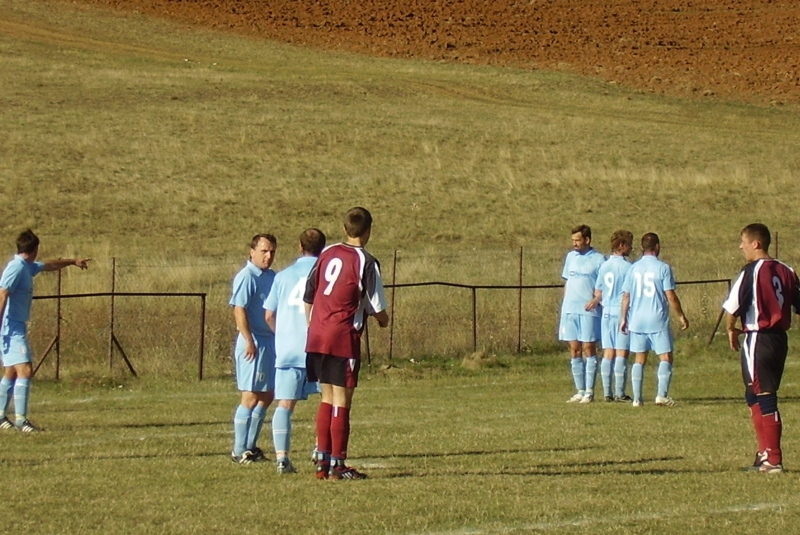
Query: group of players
[
  {"x": 299, "y": 331},
  {"x": 626, "y": 307}
]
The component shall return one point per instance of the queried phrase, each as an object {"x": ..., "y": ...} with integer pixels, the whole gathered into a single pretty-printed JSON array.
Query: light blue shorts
[
  {"x": 580, "y": 327},
  {"x": 613, "y": 338},
  {"x": 659, "y": 343},
  {"x": 257, "y": 375},
  {"x": 292, "y": 383},
  {"x": 16, "y": 350}
]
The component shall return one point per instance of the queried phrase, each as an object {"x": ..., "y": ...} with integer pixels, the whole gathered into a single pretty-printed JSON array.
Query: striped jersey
[
  {"x": 763, "y": 295},
  {"x": 343, "y": 286}
]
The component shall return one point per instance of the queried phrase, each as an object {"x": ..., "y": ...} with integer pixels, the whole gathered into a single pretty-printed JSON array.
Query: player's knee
[{"x": 768, "y": 403}]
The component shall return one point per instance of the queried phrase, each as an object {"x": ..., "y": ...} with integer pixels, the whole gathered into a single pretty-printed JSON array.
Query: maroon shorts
[{"x": 331, "y": 370}]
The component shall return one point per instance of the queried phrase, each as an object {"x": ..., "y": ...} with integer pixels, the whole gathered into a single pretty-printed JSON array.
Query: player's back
[
  {"x": 286, "y": 300},
  {"x": 336, "y": 289},
  {"x": 647, "y": 283},
  {"x": 776, "y": 291},
  {"x": 610, "y": 280}
]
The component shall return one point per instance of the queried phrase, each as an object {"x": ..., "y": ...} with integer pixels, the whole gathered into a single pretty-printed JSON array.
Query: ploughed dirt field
[{"x": 727, "y": 49}]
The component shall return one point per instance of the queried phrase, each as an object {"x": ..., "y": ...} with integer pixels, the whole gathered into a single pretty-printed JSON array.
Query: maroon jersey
[
  {"x": 763, "y": 295},
  {"x": 344, "y": 284}
]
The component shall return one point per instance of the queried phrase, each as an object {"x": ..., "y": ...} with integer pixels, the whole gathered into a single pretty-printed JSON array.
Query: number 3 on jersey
[
  {"x": 776, "y": 284},
  {"x": 332, "y": 271}
]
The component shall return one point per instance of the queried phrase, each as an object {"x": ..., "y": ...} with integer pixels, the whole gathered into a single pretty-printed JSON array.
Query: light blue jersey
[
  {"x": 647, "y": 281},
  {"x": 250, "y": 289},
  {"x": 286, "y": 301},
  {"x": 17, "y": 278},
  {"x": 580, "y": 272},
  {"x": 610, "y": 280}
]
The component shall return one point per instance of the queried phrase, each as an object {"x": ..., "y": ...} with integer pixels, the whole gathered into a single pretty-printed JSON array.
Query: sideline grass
[{"x": 449, "y": 450}]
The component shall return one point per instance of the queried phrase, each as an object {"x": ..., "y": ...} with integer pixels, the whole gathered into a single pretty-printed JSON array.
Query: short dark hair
[
  {"x": 27, "y": 242},
  {"x": 758, "y": 232},
  {"x": 621, "y": 237},
  {"x": 312, "y": 241},
  {"x": 649, "y": 242},
  {"x": 357, "y": 222},
  {"x": 585, "y": 231},
  {"x": 258, "y": 237}
]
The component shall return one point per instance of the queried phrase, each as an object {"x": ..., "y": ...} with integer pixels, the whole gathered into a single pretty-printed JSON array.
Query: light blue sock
[
  {"x": 607, "y": 375},
  {"x": 591, "y": 373},
  {"x": 21, "y": 391},
  {"x": 579, "y": 374},
  {"x": 664, "y": 378},
  {"x": 254, "y": 429},
  {"x": 637, "y": 377},
  {"x": 620, "y": 375},
  {"x": 282, "y": 429},
  {"x": 6, "y": 387},
  {"x": 241, "y": 425}
]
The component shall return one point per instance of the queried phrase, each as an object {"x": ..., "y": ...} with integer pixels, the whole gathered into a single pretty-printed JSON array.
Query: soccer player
[
  {"x": 763, "y": 296},
  {"x": 580, "y": 316},
  {"x": 648, "y": 294},
  {"x": 16, "y": 296},
  {"x": 254, "y": 355},
  {"x": 608, "y": 293},
  {"x": 344, "y": 287},
  {"x": 286, "y": 316}
]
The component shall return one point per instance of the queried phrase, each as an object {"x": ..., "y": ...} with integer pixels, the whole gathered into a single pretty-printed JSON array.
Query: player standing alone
[
  {"x": 762, "y": 296},
  {"x": 16, "y": 295},
  {"x": 286, "y": 316},
  {"x": 344, "y": 286}
]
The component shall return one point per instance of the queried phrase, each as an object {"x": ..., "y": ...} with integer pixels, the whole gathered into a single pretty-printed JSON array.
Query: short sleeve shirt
[
  {"x": 17, "y": 278},
  {"x": 763, "y": 295},
  {"x": 251, "y": 287},
  {"x": 580, "y": 273},
  {"x": 286, "y": 301},
  {"x": 647, "y": 283},
  {"x": 610, "y": 279}
]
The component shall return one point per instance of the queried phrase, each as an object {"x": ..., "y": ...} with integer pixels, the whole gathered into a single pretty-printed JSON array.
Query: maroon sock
[
  {"x": 324, "y": 413},
  {"x": 755, "y": 416},
  {"x": 340, "y": 432},
  {"x": 773, "y": 426}
]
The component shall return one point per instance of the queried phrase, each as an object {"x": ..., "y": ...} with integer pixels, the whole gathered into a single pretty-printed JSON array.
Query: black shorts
[
  {"x": 763, "y": 360},
  {"x": 332, "y": 370}
]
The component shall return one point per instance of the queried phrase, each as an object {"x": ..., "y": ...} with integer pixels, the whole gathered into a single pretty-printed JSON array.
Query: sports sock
[
  {"x": 664, "y": 378},
  {"x": 591, "y": 373},
  {"x": 773, "y": 427},
  {"x": 620, "y": 375},
  {"x": 756, "y": 418},
  {"x": 324, "y": 415},
  {"x": 241, "y": 425},
  {"x": 254, "y": 428},
  {"x": 6, "y": 387},
  {"x": 340, "y": 432},
  {"x": 282, "y": 429},
  {"x": 606, "y": 375},
  {"x": 21, "y": 392},
  {"x": 579, "y": 374},
  {"x": 637, "y": 378}
]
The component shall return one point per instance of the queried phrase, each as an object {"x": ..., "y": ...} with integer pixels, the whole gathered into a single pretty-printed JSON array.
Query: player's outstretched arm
[{"x": 61, "y": 263}]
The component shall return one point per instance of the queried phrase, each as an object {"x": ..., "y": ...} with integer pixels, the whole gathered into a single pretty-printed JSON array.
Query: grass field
[
  {"x": 167, "y": 147},
  {"x": 451, "y": 451}
]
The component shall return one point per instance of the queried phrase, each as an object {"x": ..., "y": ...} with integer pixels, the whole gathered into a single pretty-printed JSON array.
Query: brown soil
[{"x": 732, "y": 49}]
